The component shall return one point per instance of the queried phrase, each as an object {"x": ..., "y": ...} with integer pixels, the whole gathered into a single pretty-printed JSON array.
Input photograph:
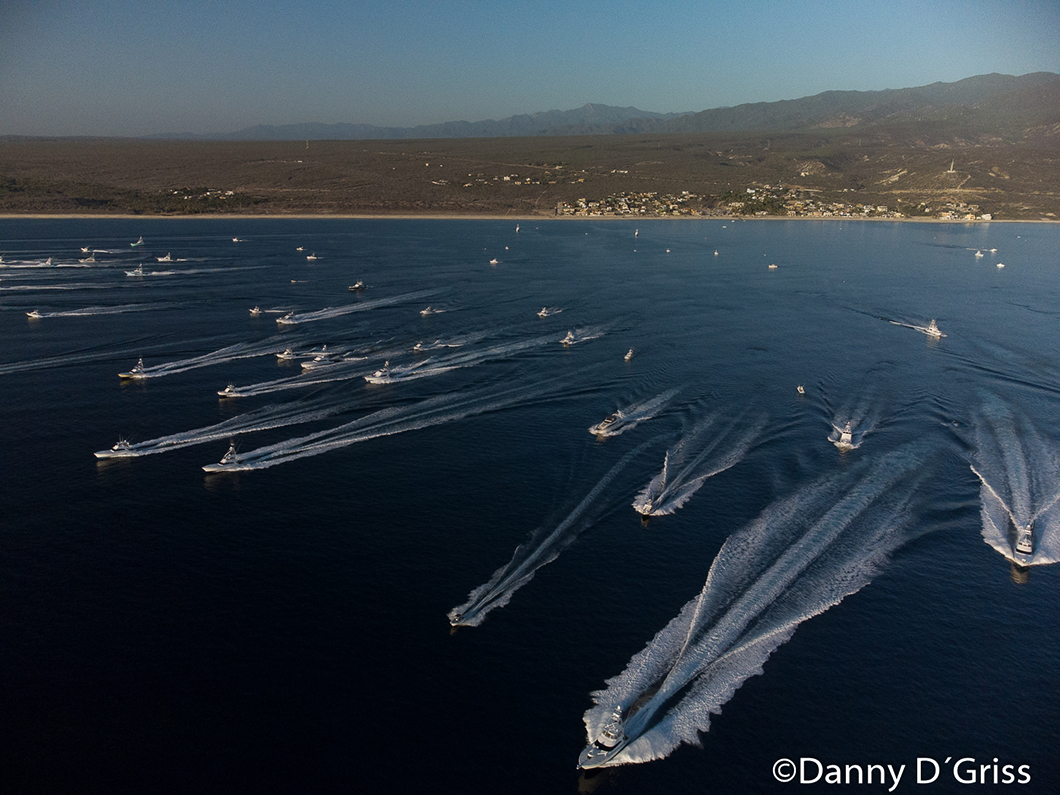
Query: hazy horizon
[{"x": 117, "y": 68}]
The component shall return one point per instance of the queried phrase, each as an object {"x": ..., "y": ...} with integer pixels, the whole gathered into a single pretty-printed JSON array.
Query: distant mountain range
[{"x": 988, "y": 104}]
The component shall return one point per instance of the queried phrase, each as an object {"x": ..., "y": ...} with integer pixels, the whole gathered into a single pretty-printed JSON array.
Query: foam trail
[
  {"x": 457, "y": 361},
  {"x": 692, "y": 461},
  {"x": 543, "y": 546},
  {"x": 801, "y": 556},
  {"x": 105, "y": 310},
  {"x": 628, "y": 417},
  {"x": 265, "y": 418},
  {"x": 1019, "y": 471},
  {"x": 364, "y": 306},
  {"x": 241, "y": 350},
  {"x": 338, "y": 371},
  {"x": 387, "y": 422}
]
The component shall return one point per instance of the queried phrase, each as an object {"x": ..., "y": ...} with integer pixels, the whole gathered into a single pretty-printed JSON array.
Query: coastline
[{"x": 500, "y": 217}]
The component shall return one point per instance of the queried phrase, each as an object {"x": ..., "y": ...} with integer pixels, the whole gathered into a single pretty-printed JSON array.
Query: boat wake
[
  {"x": 430, "y": 367},
  {"x": 241, "y": 350},
  {"x": 930, "y": 329},
  {"x": 801, "y": 556},
  {"x": 103, "y": 310},
  {"x": 544, "y": 545},
  {"x": 263, "y": 419},
  {"x": 1019, "y": 472},
  {"x": 693, "y": 460},
  {"x": 388, "y": 422},
  {"x": 293, "y": 318},
  {"x": 628, "y": 417}
]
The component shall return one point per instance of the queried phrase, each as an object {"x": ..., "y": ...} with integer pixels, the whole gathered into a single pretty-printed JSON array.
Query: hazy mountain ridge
[{"x": 992, "y": 104}]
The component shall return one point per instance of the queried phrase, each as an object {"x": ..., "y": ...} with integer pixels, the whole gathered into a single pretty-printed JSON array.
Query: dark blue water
[{"x": 284, "y": 629}]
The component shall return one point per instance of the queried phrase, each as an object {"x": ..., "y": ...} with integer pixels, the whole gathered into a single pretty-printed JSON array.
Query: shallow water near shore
[{"x": 284, "y": 627}]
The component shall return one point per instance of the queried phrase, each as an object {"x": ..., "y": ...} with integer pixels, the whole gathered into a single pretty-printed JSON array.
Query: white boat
[
  {"x": 1001, "y": 264},
  {"x": 979, "y": 254},
  {"x": 356, "y": 287},
  {"x": 494, "y": 261},
  {"x": 569, "y": 339},
  {"x": 121, "y": 449},
  {"x": 136, "y": 372},
  {"x": 35, "y": 313},
  {"x": 229, "y": 391},
  {"x": 428, "y": 311},
  {"x": 287, "y": 354},
  {"x": 300, "y": 248},
  {"x": 311, "y": 257},
  {"x": 139, "y": 242},
  {"x": 628, "y": 356},
  {"x": 517, "y": 227},
  {"x": 226, "y": 460},
  {"x": 138, "y": 272},
  {"x": 380, "y": 376},
  {"x": 548, "y": 311},
  {"x": 256, "y": 311},
  {"x": 773, "y": 267},
  {"x": 167, "y": 258},
  {"x": 607, "y": 744},
  {"x": 237, "y": 240},
  {"x": 846, "y": 438},
  {"x": 84, "y": 249},
  {"x": 800, "y": 389},
  {"x": 287, "y": 320},
  {"x": 1024, "y": 543},
  {"x": 932, "y": 330},
  {"x": 88, "y": 260},
  {"x": 48, "y": 261},
  {"x": 636, "y": 233},
  {"x": 601, "y": 428}
]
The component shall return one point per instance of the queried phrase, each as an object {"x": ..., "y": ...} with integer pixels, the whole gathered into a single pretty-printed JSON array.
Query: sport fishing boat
[
  {"x": 846, "y": 438},
  {"x": 380, "y": 376},
  {"x": 256, "y": 311},
  {"x": 287, "y": 320},
  {"x": 121, "y": 449},
  {"x": 167, "y": 258},
  {"x": 287, "y": 354},
  {"x": 932, "y": 330},
  {"x": 139, "y": 271},
  {"x": 602, "y": 427},
  {"x": 226, "y": 460},
  {"x": 229, "y": 391},
  {"x": 356, "y": 287},
  {"x": 137, "y": 371},
  {"x": 1024, "y": 544},
  {"x": 569, "y": 339},
  {"x": 607, "y": 744},
  {"x": 628, "y": 356},
  {"x": 34, "y": 313},
  {"x": 139, "y": 242}
]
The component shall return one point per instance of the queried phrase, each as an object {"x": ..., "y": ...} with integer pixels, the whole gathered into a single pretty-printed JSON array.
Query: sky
[{"x": 140, "y": 67}]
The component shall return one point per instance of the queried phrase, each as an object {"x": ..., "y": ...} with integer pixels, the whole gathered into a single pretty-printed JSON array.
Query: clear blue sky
[{"x": 136, "y": 67}]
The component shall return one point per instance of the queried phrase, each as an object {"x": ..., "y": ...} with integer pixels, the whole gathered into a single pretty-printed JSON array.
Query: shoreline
[{"x": 494, "y": 217}]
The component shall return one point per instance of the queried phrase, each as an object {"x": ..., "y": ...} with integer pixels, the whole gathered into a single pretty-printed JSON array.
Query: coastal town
[{"x": 764, "y": 201}]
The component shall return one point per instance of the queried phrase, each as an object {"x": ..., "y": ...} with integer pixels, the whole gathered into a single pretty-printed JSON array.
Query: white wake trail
[
  {"x": 295, "y": 318},
  {"x": 544, "y": 545},
  {"x": 626, "y": 418},
  {"x": 694, "y": 460},
  {"x": 803, "y": 555}
]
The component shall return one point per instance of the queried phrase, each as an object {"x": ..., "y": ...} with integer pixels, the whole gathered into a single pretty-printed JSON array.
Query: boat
[
  {"x": 226, "y": 461},
  {"x": 300, "y": 248},
  {"x": 427, "y": 311},
  {"x": 601, "y": 428},
  {"x": 139, "y": 242},
  {"x": 136, "y": 372},
  {"x": 494, "y": 261},
  {"x": 139, "y": 271},
  {"x": 1024, "y": 543},
  {"x": 607, "y": 744},
  {"x": 517, "y": 227},
  {"x": 88, "y": 260},
  {"x": 311, "y": 257},
  {"x": 800, "y": 389},
  {"x": 1001, "y": 264},
  {"x": 773, "y": 267},
  {"x": 569, "y": 339},
  {"x": 978, "y": 254},
  {"x": 628, "y": 356},
  {"x": 636, "y": 233},
  {"x": 715, "y": 252},
  {"x": 229, "y": 391},
  {"x": 256, "y": 311},
  {"x": 381, "y": 375},
  {"x": 287, "y": 320},
  {"x": 121, "y": 449},
  {"x": 84, "y": 249},
  {"x": 846, "y": 438},
  {"x": 237, "y": 240},
  {"x": 356, "y": 287},
  {"x": 932, "y": 330},
  {"x": 167, "y": 258},
  {"x": 34, "y": 313},
  {"x": 48, "y": 261},
  {"x": 287, "y": 354}
]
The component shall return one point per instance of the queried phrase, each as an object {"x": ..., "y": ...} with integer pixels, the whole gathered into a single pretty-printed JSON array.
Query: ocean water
[{"x": 285, "y": 626}]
